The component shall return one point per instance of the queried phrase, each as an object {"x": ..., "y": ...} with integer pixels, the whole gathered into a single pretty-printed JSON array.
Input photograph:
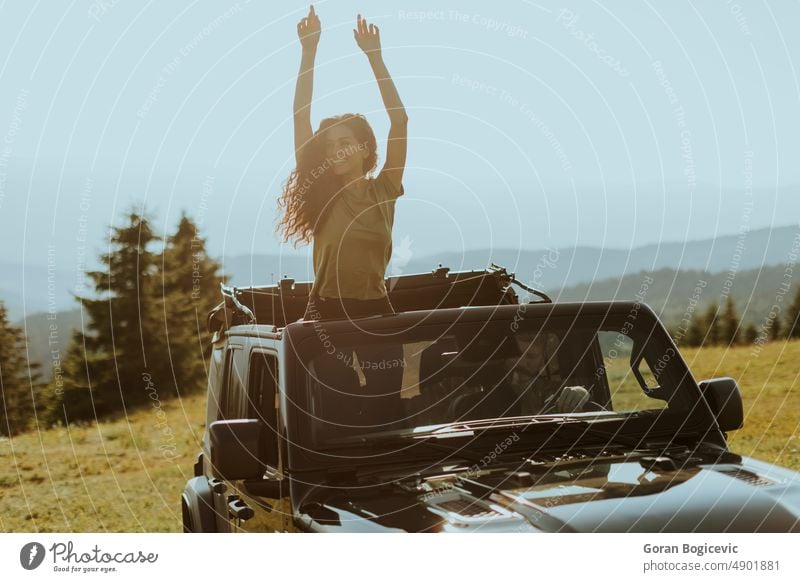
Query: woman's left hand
[{"x": 368, "y": 37}]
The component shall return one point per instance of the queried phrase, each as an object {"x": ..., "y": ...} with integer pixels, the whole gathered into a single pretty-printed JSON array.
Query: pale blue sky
[{"x": 531, "y": 124}]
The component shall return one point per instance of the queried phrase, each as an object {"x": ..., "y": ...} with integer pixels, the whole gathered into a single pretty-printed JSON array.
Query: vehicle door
[
  {"x": 267, "y": 498},
  {"x": 232, "y": 401}
]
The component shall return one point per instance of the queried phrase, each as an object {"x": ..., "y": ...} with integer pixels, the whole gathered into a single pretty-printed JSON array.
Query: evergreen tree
[
  {"x": 20, "y": 380},
  {"x": 697, "y": 330},
  {"x": 729, "y": 324},
  {"x": 776, "y": 329},
  {"x": 711, "y": 323},
  {"x": 793, "y": 317},
  {"x": 189, "y": 289},
  {"x": 79, "y": 397},
  {"x": 750, "y": 333},
  {"x": 106, "y": 365}
]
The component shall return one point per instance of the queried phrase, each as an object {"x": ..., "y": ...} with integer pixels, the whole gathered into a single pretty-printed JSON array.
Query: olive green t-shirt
[{"x": 353, "y": 244}]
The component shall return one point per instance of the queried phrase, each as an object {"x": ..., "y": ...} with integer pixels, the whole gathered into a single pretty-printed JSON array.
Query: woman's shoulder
[{"x": 385, "y": 186}]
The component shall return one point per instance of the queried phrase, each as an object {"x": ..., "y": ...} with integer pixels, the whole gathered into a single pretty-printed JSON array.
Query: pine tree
[
  {"x": 697, "y": 330},
  {"x": 20, "y": 380},
  {"x": 729, "y": 324},
  {"x": 188, "y": 290},
  {"x": 83, "y": 372},
  {"x": 750, "y": 333},
  {"x": 776, "y": 329},
  {"x": 711, "y": 323},
  {"x": 793, "y": 317},
  {"x": 105, "y": 366}
]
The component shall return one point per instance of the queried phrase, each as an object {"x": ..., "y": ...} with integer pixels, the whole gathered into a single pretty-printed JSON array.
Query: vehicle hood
[{"x": 693, "y": 492}]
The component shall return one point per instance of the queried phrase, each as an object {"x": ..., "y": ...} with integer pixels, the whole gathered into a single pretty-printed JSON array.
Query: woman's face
[{"x": 343, "y": 151}]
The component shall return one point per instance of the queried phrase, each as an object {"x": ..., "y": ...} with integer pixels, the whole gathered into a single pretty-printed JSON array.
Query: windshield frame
[{"x": 695, "y": 416}]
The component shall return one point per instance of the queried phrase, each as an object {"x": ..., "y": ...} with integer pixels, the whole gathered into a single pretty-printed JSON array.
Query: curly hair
[{"x": 309, "y": 188}]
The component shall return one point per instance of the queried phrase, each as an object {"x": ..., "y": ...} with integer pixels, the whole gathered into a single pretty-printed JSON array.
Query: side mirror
[
  {"x": 725, "y": 400},
  {"x": 236, "y": 449}
]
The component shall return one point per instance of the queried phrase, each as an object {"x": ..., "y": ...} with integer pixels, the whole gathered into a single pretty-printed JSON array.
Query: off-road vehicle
[{"x": 469, "y": 409}]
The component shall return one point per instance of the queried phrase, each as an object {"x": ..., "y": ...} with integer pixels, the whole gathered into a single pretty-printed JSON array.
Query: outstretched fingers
[
  {"x": 367, "y": 36},
  {"x": 365, "y": 28}
]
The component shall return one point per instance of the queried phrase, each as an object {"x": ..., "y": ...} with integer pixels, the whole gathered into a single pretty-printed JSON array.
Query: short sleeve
[{"x": 386, "y": 188}]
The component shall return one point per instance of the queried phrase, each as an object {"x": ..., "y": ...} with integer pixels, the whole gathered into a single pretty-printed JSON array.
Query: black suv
[{"x": 468, "y": 410}]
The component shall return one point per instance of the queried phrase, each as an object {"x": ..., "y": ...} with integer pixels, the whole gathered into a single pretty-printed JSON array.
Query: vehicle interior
[
  {"x": 479, "y": 372},
  {"x": 460, "y": 373}
]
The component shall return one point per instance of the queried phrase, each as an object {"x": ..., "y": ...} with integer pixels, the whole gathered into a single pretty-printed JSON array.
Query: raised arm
[
  {"x": 308, "y": 30},
  {"x": 369, "y": 40}
]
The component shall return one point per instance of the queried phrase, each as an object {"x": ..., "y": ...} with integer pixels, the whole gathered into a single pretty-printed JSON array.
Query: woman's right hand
[{"x": 308, "y": 30}]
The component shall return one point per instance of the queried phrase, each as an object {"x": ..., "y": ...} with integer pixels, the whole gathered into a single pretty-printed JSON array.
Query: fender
[{"x": 197, "y": 502}]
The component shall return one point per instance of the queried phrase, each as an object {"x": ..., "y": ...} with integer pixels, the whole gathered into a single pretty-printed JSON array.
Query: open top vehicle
[{"x": 470, "y": 409}]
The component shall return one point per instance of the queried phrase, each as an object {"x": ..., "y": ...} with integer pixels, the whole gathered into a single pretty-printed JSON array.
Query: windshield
[{"x": 362, "y": 384}]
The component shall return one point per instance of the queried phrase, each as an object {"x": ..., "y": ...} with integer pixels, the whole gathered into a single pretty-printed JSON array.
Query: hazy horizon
[{"x": 530, "y": 127}]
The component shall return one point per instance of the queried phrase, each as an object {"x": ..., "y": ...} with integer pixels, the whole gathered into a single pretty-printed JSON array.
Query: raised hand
[
  {"x": 309, "y": 29},
  {"x": 368, "y": 37}
]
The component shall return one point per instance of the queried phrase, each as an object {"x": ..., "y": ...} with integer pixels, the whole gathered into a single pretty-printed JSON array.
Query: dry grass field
[
  {"x": 770, "y": 385},
  {"x": 115, "y": 477},
  {"x": 107, "y": 477}
]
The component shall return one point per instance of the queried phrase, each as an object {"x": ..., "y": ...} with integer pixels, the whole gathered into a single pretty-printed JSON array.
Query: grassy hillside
[
  {"x": 770, "y": 385},
  {"x": 108, "y": 477},
  {"x": 113, "y": 476}
]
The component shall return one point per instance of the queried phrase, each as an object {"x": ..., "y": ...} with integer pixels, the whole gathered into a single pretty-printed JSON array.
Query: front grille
[
  {"x": 467, "y": 508},
  {"x": 748, "y": 477}
]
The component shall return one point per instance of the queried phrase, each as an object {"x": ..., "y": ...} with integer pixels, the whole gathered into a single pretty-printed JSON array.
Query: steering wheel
[
  {"x": 588, "y": 406},
  {"x": 462, "y": 403},
  {"x": 478, "y": 401}
]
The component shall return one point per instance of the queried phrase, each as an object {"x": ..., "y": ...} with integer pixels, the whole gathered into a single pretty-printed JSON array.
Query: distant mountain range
[
  {"x": 553, "y": 270},
  {"x": 670, "y": 292},
  {"x": 556, "y": 269},
  {"x": 27, "y": 289},
  {"x": 751, "y": 266},
  {"x": 48, "y": 337}
]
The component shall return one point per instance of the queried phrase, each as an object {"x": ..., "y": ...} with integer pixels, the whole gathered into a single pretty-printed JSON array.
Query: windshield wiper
[
  {"x": 531, "y": 426},
  {"x": 583, "y": 426},
  {"x": 406, "y": 441}
]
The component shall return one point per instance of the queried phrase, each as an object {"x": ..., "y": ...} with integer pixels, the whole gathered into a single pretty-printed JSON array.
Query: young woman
[{"x": 332, "y": 197}]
